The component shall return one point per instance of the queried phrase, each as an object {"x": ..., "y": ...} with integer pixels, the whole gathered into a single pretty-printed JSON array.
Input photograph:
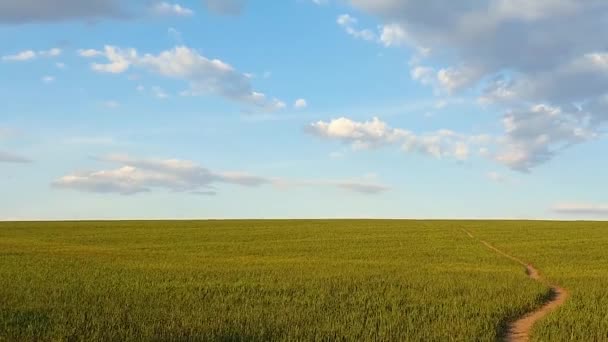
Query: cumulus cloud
[
  {"x": 366, "y": 134},
  {"x": 581, "y": 209},
  {"x": 300, "y": 104},
  {"x": 225, "y": 7},
  {"x": 394, "y": 35},
  {"x": 28, "y": 11},
  {"x": 376, "y": 133},
  {"x": 531, "y": 137},
  {"x": 168, "y": 9},
  {"x": 204, "y": 75},
  {"x": 136, "y": 175},
  {"x": 518, "y": 55}
]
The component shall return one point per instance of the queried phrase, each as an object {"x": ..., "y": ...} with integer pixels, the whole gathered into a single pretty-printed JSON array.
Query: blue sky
[{"x": 303, "y": 109}]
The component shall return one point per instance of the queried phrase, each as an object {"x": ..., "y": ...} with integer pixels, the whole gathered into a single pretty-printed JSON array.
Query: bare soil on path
[{"x": 519, "y": 330}]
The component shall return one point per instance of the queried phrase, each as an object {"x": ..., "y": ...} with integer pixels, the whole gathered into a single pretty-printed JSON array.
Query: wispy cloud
[
  {"x": 8, "y": 157},
  {"x": 169, "y": 9},
  {"x": 204, "y": 75},
  {"x": 135, "y": 175},
  {"x": 28, "y": 55},
  {"x": 599, "y": 209}
]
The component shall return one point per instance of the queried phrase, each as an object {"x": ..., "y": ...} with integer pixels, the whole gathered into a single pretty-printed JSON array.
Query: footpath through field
[{"x": 519, "y": 330}]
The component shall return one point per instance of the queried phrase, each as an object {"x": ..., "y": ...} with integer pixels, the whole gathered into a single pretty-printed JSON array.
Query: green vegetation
[
  {"x": 295, "y": 280},
  {"x": 572, "y": 254}
]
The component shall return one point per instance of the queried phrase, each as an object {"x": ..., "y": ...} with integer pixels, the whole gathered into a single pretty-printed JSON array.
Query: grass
[
  {"x": 294, "y": 280},
  {"x": 572, "y": 254}
]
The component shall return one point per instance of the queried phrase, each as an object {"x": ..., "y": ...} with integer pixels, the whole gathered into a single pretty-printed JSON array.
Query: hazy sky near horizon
[{"x": 303, "y": 109}]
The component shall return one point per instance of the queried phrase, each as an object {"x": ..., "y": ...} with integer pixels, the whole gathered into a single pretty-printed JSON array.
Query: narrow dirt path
[{"x": 519, "y": 330}]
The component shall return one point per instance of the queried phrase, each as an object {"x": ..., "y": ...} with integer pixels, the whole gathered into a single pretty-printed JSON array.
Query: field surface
[{"x": 298, "y": 280}]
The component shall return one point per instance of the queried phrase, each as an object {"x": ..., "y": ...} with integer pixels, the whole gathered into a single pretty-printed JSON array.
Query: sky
[{"x": 303, "y": 109}]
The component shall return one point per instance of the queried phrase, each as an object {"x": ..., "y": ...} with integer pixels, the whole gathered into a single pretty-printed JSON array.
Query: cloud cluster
[
  {"x": 523, "y": 55},
  {"x": 376, "y": 133},
  {"x": 204, "y": 75},
  {"x": 534, "y": 135},
  {"x": 135, "y": 175},
  {"x": 531, "y": 137}
]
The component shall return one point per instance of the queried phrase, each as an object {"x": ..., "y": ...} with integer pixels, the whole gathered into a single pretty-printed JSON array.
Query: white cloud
[
  {"x": 143, "y": 175},
  {"x": 423, "y": 74},
  {"x": 60, "y": 65},
  {"x": 111, "y": 104},
  {"x": 204, "y": 75},
  {"x": 516, "y": 55},
  {"x": 21, "y": 56},
  {"x": 376, "y": 133},
  {"x": 168, "y": 9},
  {"x": 455, "y": 79},
  {"x": 89, "y": 53},
  {"x": 394, "y": 35},
  {"x": 349, "y": 23},
  {"x": 300, "y": 104},
  {"x": 530, "y": 137},
  {"x": 48, "y": 79},
  {"x": 159, "y": 93},
  {"x": 54, "y": 52},
  {"x": 119, "y": 60},
  {"x": 533, "y": 136},
  {"x": 366, "y": 134},
  {"x": 29, "y": 55},
  {"x": 581, "y": 209}
]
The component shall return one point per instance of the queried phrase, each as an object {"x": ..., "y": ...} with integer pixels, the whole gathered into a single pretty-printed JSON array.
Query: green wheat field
[{"x": 297, "y": 280}]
